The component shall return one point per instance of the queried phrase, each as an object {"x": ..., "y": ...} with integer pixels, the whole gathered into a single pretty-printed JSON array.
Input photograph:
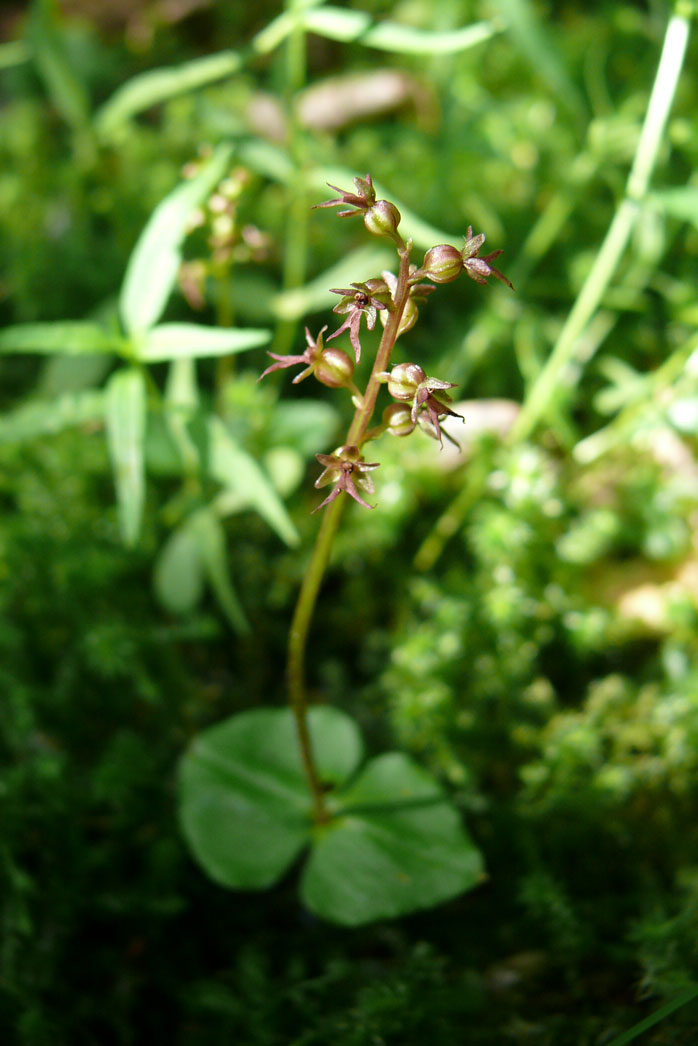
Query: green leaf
[
  {"x": 304, "y": 425},
  {"x": 395, "y": 846},
  {"x": 45, "y": 417},
  {"x": 337, "y": 23},
  {"x": 125, "y": 418},
  {"x": 394, "y": 843},
  {"x": 71, "y": 338},
  {"x": 159, "y": 85},
  {"x": 245, "y": 807},
  {"x": 181, "y": 400},
  {"x": 681, "y": 203},
  {"x": 66, "y": 90},
  {"x": 14, "y": 52},
  {"x": 61, "y": 374},
  {"x": 171, "y": 341},
  {"x": 209, "y": 536},
  {"x": 179, "y": 571},
  {"x": 152, "y": 268},
  {"x": 235, "y": 469}
]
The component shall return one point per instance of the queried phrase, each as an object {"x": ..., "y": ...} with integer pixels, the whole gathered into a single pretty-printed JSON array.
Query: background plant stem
[
  {"x": 295, "y": 258},
  {"x": 564, "y": 353}
]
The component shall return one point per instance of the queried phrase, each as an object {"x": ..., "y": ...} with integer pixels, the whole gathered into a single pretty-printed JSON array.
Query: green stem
[
  {"x": 564, "y": 353},
  {"x": 451, "y": 520},
  {"x": 295, "y": 256},
  {"x": 224, "y": 318},
  {"x": 320, "y": 557},
  {"x": 659, "y": 1015}
]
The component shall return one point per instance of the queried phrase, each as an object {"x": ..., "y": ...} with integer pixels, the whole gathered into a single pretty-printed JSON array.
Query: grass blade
[
  {"x": 65, "y": 89},
  {"x": 655, "y": 1018}
]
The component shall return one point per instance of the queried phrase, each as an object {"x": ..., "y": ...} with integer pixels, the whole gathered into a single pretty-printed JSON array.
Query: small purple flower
[
  {"x": 425, "y": 402},
  {"x": 357, "y": 301},
  {"x": 309, "y": 358},
  {"x": 341, "y": 468},
  {"x": 479, "y": 269},
  {"x": 360, "y": 201}
]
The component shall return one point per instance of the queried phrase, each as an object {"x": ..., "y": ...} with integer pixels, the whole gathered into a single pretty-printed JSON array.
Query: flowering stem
[{"x": 312, "y": 580}]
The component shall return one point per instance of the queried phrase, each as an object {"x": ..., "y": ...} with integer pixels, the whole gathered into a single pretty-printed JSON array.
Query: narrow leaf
[
  {"x": 171, "y": 341},
  {"x": 529, "y": 33},
  {"x": 152, "y": 268},
  {"x": 68, "y": 339},
  {"x": 681, "y": 203},
  {"x": 65, "y": 89},
  {"x": 61, "y": 374},
  {"x": 181, "y": 399},
  {"x": 179, "y": 573},
  {"x": 14, "y": 52},
  {"x": 234, "y": 468},
  {"x": 45, "y": 417},
  {"x": 125, "y": 422},
  {"x": 337, "y": 23},
  {"x": 159, "y": 85},
  {"x": 209, "y": 536}
]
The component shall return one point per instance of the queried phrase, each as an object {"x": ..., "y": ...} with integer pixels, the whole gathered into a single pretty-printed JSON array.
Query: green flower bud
[
  {"x": 397, "y": 419},
  {"x": 404, "y": 381},
  {"x": 334, "y": 368},
  {"x": 382, "y": 219},
  {"x": 442, "y": 264}
]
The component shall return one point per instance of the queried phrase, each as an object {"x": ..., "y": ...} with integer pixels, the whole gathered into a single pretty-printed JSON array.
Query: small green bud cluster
[{"x": 229, "y": 241}]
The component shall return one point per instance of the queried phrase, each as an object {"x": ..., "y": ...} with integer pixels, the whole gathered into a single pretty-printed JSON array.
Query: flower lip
[
  {"x": 357, "y": 301},
  {"x": 340, "y": 469}
]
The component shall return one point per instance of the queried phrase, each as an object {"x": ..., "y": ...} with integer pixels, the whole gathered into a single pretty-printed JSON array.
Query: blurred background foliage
[{"x": 522, "y": 617}]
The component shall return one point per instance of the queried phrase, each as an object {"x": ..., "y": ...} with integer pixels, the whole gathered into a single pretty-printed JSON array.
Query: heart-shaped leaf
[
  {"x": 393, "y": 844},
  {"x": 245, "y": 806},
  {"x": 396, "y": 845}
]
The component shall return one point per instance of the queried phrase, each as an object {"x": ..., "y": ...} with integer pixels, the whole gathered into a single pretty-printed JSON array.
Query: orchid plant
[{"x": 260, "y": 788}]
